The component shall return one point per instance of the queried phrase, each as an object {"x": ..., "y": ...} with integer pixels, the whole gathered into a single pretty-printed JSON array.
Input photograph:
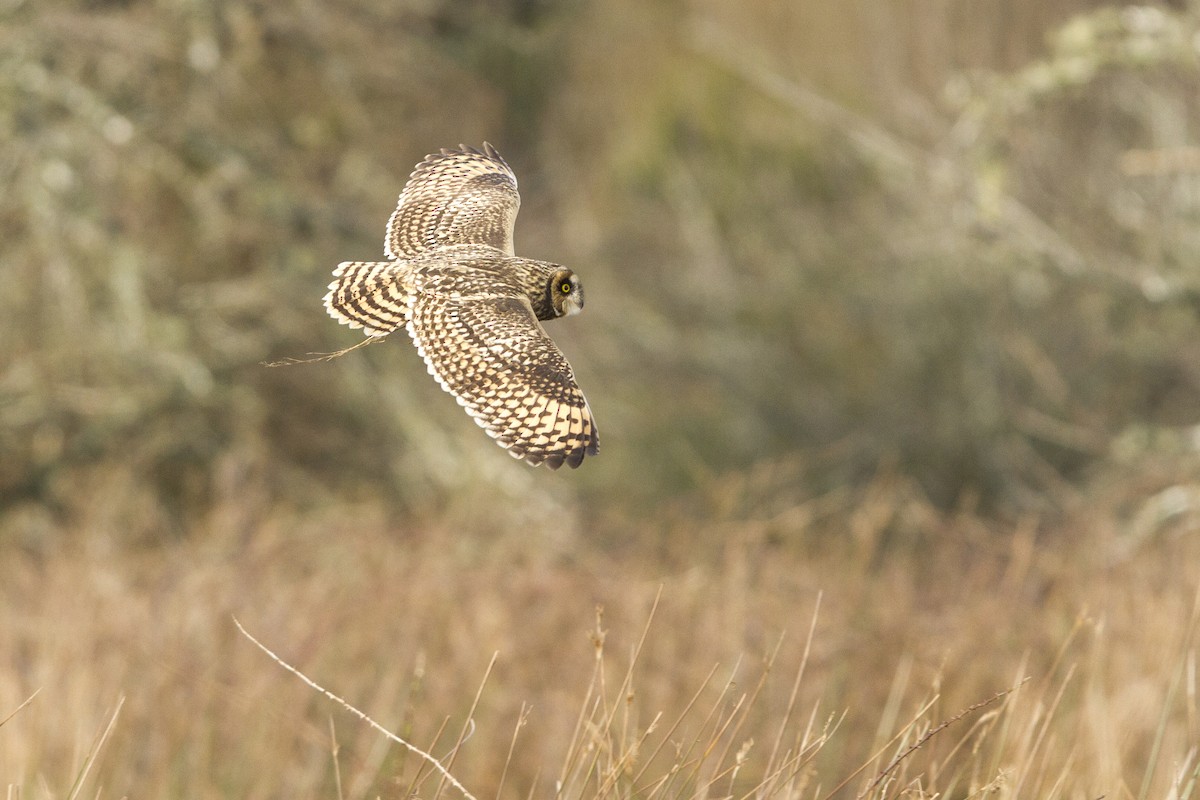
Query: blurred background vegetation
[
  {"x": 949, "y": 249},
  {"x": 957, "y": 240}
]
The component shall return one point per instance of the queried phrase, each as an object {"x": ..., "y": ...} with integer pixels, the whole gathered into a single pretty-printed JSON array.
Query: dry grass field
[
  {"x": 785, "y": 648},
  {"x": 892, "y": 337}
]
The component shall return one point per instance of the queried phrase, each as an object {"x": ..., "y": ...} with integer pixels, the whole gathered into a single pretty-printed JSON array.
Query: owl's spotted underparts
[{"x": 472, "y": 307}]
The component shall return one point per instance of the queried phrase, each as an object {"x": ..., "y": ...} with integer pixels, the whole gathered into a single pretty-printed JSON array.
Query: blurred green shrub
[{"x": 985, "y": 303}]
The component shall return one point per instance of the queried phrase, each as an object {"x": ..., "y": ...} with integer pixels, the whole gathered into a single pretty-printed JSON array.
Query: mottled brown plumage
[{"x": 472, "y": 307}]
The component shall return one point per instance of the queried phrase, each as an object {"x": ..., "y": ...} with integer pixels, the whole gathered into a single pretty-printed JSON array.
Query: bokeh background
[{"x": 891, "y": 335}]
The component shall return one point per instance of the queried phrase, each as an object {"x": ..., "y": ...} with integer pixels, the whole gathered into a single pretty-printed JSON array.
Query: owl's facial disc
[{"x": 566, "y": 293}]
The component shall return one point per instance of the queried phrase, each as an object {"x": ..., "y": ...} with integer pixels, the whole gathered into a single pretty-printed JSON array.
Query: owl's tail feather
[{"x": 370, "y": 295}]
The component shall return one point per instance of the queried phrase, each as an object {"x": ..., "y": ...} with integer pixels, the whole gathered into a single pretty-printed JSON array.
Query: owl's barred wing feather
[
  {"x": 369, "y": 294},
  {"x": 463, "y": 196},
  {"x": 493, "y": 356}
]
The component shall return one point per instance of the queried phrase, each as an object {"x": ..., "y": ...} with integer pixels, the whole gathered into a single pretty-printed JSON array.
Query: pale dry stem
[
  {"x": 917, "y": 745},
  {"x": 17, "y": 710},
  {"x": 437, "y": 765},
  {"x": 94, "y": 751},
  {"x": 319, "y": 357}
]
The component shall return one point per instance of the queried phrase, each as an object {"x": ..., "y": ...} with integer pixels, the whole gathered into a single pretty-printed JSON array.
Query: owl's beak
[{"x": 573, "y": 304}]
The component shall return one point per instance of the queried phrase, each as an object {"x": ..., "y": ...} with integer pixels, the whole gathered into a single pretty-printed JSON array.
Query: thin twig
[
  {"x": 17, "y": 710},
  {"x": 361, "y": 715},
  {"x": 316, "y": 357}
]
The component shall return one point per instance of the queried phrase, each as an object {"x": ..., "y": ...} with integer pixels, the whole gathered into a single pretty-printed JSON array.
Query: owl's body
[{"x": 473, "y": 308}]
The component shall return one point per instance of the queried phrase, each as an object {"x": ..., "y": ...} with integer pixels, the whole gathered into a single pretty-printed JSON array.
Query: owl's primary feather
[{"x": 473, "y": 308}]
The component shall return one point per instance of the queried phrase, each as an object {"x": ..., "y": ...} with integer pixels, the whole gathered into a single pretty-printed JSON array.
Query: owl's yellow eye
[{"x": 566, "y": 288}]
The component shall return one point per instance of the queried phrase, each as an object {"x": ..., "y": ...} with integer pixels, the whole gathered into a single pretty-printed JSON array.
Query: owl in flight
[{"x": 472, "y": 307}]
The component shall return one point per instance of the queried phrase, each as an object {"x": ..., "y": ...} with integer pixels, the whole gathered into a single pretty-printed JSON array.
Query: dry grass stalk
[
  {"x": 611, "y": 758},
  {"x": 333, "y": 751},
  {"x": 895, "y": 762},
  {"x": 437, "y": 765},
  {"x": 17, "y": 710},
  {"x": 319, "y": 357},
  {"x": 94, "y": 751}
]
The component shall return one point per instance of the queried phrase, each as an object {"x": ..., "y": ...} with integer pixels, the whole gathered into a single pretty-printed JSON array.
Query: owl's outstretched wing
[
  {"x": 463, "y": 196},
  {"x": 493, "y": 356}
]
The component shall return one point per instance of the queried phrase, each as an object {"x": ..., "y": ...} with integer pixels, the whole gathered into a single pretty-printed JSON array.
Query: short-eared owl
[{"x": 472, "y": 307}]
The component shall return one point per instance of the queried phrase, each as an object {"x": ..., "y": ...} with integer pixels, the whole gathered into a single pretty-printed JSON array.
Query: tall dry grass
[{"x": 787, "y": 649}]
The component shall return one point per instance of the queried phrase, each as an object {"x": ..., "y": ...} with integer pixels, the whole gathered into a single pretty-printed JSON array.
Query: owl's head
[{"x": 565, "y": 293}]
